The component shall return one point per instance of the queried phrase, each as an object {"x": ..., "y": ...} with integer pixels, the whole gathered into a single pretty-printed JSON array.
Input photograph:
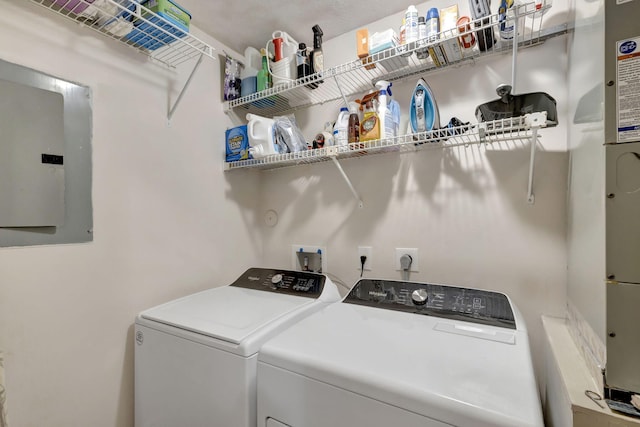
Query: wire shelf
[
  {"x": 511, "y": 129},
  {"x": 398, "y": 63},
  {"x": 134, "y": 25}
]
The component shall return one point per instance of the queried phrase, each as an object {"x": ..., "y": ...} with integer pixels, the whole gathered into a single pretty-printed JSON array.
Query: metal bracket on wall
[
  {"x": 184, "y": 88},
  {"x": 333, "y": 155},
  {"x": 536, "y": 121}
]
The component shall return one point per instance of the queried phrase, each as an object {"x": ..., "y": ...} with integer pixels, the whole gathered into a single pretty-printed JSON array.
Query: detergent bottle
[
  {"x": 341, "y": 127},
  {"x": 262, "y": 136},
  {"x": 370, "y": 124}
]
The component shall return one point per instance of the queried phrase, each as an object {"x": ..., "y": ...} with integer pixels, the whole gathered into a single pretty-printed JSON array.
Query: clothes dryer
[
  {"x": 402, "y": 354},
  {"x": 196, "y": 357}
]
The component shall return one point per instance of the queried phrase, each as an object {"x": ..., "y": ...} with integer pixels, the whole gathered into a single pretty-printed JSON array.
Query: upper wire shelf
[
  {"x": 510, "y": 129},
  {"x": 133, "y": 25},
  {"x": 397, "y": 63}
]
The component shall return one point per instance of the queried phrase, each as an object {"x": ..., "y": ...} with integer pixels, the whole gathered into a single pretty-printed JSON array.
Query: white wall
[
  {"x": 167, "y": 222},
  {"x": 464, "y": 208},
  {"x": 586, "y": 219}
]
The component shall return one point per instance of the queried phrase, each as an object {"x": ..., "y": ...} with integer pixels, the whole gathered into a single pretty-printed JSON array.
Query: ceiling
[{"x": 242, "y": 23}]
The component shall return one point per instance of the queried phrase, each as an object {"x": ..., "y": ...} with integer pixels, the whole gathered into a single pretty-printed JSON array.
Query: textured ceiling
[{"x": 243, "y": 23}]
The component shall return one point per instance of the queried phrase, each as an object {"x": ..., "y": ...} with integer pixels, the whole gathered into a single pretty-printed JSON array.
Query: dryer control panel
[
  {"x": 300, "y": 283},
  {"x": 471, "y": 305}
]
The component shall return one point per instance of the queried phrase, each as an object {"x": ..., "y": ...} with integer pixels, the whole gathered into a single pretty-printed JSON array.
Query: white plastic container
[
  {"x": 341, "y": 128},
  {"x": 411, "y": 24},
  {"x": 261, "y": 133},
  {"x": 281, "y": 71}
]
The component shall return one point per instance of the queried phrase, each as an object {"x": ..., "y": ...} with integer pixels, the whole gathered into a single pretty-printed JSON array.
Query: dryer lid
[{"x": 228, "y": 313}]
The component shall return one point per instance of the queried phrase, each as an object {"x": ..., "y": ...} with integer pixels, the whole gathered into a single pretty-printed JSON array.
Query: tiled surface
[
  {"x": 589, "y": 344},
  {"x": 568, "y": 376}
]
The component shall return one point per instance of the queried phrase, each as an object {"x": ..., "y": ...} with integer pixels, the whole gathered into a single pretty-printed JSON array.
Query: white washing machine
[
  {"x": 196, "y": 357},
  {"x": 402, "y": 354}
]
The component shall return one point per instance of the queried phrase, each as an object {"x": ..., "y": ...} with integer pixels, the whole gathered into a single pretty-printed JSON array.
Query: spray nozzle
[{"x": 384, "y": 85}]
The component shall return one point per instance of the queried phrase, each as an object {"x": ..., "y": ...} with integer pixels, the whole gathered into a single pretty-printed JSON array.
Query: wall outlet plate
[
  {"x": 295, "y": 263},
  {"x": 415, "y": 261}
]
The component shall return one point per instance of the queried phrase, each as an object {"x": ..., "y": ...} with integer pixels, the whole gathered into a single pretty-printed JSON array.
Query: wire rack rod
[{"x": 134, "y": 25}]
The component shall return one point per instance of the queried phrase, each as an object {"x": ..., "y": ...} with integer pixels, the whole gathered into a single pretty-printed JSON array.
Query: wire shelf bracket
[
  {"x": 535, "y": 121},
  {"x": 184, "y": 89},
  {"x": 333, "y": 153}
]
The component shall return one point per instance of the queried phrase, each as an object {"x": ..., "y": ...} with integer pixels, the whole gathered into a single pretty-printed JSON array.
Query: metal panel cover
[
  {"x": 31, "y": 156},
  {"x": 76, "y": 157},
  {"x": 623, "y": 212},
  {"x": 623, "y": 339}
]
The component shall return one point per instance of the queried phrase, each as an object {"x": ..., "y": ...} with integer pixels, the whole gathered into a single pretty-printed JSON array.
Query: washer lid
[
  {"x": 227, "y": 313},
  {"x": 456, "y": 372}
]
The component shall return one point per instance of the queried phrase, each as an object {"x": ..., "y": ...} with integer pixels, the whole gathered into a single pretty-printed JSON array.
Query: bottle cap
[
  {"x": 432, "y": 13},
  {"x": 344, "y": 109},
  {"x": 420, "y": 19}
]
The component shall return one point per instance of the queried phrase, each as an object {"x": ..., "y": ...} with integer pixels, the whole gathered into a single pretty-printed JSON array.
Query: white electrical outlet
[
  {"x": 413, "y": 253},
  {"x": 295, "y": 261},
  {"x": 368, "y": 252}
]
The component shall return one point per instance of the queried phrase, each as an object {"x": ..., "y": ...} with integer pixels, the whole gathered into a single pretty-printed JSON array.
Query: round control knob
[
  {"x": 419, "y": 296},
  {"x": 276, "y": 281}
]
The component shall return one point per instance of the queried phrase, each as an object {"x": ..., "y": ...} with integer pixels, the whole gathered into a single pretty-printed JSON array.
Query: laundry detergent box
[
  {"x": 168, "y": 19},
  {"x": 237, "y": 142}
]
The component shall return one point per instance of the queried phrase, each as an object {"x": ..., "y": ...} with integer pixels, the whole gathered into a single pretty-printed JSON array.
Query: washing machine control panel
[
  {"x": 472, "y": 305},
  {"x": 299, "y": 283}
]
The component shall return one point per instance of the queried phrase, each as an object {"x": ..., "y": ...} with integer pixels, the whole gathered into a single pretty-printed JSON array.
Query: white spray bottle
[{"x": 388, "y": 110}]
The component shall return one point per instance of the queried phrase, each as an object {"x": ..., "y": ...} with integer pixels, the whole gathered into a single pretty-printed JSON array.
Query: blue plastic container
[{"x": 148, "y": 36}]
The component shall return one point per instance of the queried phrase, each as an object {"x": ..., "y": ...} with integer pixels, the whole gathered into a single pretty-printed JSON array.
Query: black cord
[{"x": 363, "y": 259}]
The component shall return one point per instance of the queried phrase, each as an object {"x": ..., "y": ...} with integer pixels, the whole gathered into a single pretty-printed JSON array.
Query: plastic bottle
[
  {"x": 302, "y": 61},
  {"x": 433, "y": 24},
  {"x": 341, "y": 127},
  {"x": 387, "y": 126},
  {"x": 264, "y": 77},
  {"x": 423, "y": 52},
  {"x": 354, "y": 125},
  {"x": 402, "y": 38},
  {"x": 317, "y": 58},
  {"x": 506, "y": 19},
  {"x": 370, "y": 124},
  {"x": 411, "y": 22},
  {"x": 303, "y": 64},
  {"x": 261, "y": 135},
  {"x": 480, "y": 12}
]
